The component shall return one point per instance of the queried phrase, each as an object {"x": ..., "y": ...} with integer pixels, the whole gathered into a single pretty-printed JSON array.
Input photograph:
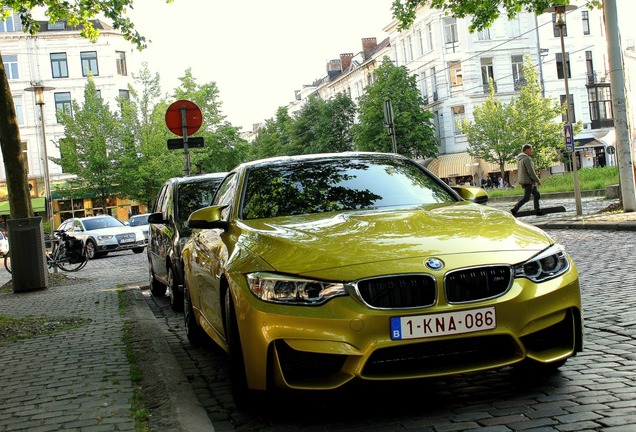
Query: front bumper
[{"x": 324, "y": 347}]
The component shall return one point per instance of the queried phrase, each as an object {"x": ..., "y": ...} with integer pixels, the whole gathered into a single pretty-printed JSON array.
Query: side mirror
[
  {"x": 156, "y": 218},
  {"x": 472, "y": 193},
  {"x": 207, "y": 218}
]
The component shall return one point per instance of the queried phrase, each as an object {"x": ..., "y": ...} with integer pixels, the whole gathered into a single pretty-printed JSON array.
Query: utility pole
[{"x": 619, "y": 107}]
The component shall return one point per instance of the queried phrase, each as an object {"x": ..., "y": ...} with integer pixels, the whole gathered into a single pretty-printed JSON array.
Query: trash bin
[{"x": 28, "y": 255}]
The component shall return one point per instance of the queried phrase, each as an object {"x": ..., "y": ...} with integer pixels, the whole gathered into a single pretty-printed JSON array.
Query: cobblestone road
[{"x": 595, "y": 391}]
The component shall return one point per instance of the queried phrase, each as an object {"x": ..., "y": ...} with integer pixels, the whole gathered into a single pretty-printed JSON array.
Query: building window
[
  {"x": 59, "y": 65},
  {"x": 25, "y": 154},
  {"x": 483, "y": 34},
  {"x": 517, "y": 71},
  {"x": 559, "y": 65},
  {"x": 571, "y": 108},
  {"x": 7, "y": 25},
  {"x": 89, "y": 63},
  {"x": 600, "y": 100},
  {"x": 10, "y": 63},
  {"x": 423, "y": 87},
  {"x": 58, "y": 25},
  {"x": 63, "y": 103},
  {"x": 589, "y": 65},
  {"x": 121, "y": 63},
  {"x": 585, "y": 15},
  {"x": 514, "y": 27},
  {"x": 420, "y": 42},
  {"x": 409, "y": 49},
  {"x": 404, "y": 56},
  {"x": 124, "y": 94},
  {"x": 455, "y": 70},
  {"x": 487, "y": 73},
  {"x": 434, "y": 84},
  {"x": 19, "y": 109},
  {"x": 429, "y": 30},
  {"x": 438, "y": 125},
  {"x": 450, "y": 34},
  {"x": 458, "y": 116},
  {"x": 555, "y": 28}
]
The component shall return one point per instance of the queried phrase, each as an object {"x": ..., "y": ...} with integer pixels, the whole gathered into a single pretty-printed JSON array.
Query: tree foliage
[
  {"x": 412, "y": 123},
  {"x": 482, "y": 12},
  {"x": 91, "y": 146}
]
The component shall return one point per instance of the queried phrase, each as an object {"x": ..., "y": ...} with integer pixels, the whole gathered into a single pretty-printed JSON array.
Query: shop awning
[
  {"x": 38, "y": 205},
  {"x": 493, "y": 168},
  {"x": 453, "y": 165}
]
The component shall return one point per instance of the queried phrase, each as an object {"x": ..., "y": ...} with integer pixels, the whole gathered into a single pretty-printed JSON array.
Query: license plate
[{"x": 443, "y": 324}]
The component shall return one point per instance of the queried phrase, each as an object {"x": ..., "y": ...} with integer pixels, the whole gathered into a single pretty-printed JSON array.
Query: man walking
[{"x": 528, "y": 180}]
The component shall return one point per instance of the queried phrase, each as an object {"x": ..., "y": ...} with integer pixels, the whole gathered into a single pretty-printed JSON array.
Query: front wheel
[
  {"x": 66, "y": 265},
  {"x": 194, "y": 332},
  {"x": 157, "y": 289},
  {"x": 175, "y": 295},
  {"x": 138, "y": 250},
  {"x": 91, "y": 249}
]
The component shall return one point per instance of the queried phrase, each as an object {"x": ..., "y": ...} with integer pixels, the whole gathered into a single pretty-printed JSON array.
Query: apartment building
[
  {"x": 60, "y": 60},
  {"x": 453, "y": 68}
]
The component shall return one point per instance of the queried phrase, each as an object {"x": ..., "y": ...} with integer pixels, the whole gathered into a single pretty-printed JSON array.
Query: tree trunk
[{"x": 14, "y": 162}]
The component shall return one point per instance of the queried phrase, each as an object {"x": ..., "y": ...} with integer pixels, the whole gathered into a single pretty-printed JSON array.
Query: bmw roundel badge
[{"x": 434, "y": 263}]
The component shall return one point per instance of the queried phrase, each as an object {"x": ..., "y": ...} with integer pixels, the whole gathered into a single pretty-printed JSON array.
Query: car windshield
[
  {"x": 337, "y": 184},
  {"x": 98, "y": 223},
  {"x": 138, "y": 220},
  {"x": 195, "y": 195}
]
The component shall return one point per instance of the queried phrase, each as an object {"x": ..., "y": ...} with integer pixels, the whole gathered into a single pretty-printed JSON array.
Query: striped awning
[
  {"x": 493, "y": 168},
  {"x": 453, "y": 165}
]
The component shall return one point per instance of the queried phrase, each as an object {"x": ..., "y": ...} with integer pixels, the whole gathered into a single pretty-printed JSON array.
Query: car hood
[{"x": 460, "y": 234}]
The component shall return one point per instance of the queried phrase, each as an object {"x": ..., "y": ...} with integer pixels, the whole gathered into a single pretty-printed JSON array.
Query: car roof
[
  {"x": 281, "y": 160},
  {"x": 198, "y": 177}
]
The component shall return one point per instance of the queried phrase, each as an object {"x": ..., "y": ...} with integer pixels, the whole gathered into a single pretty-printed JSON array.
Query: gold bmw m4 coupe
[{"x": 312, "y": 271}]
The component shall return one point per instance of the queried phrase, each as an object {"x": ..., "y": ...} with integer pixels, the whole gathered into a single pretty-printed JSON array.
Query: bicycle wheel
[
  {"x": 63, "y": 262},
  {"x": 7, "y": 262}
]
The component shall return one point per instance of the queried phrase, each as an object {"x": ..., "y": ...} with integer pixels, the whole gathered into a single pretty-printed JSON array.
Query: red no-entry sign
[{"x": 183, "y": 115}]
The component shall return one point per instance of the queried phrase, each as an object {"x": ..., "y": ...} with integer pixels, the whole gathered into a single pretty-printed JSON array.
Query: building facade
[{"x": 59, "y": 59}]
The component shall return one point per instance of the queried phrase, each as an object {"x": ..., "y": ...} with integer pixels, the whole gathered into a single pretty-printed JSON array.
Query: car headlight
[
  {"x": 104, "y": 237},
  {"x": 550, "y": 263},
  {"x": 279, "y": 288}
]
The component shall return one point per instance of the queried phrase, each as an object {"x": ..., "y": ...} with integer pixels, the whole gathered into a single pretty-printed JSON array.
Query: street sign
[
  {"x": 183, "y": 116},
  {"x": 177, "y": 143},
  {"x": 569, "y": 137}
]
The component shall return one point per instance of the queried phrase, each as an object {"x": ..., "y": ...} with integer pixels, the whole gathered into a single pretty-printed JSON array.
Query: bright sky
[
  {"x": 260, "y": 51},
  {"x": 257, "y": 51}
]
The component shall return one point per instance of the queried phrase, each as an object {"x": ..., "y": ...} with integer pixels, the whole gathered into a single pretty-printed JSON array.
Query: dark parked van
[{"x": 168, "y": 232}]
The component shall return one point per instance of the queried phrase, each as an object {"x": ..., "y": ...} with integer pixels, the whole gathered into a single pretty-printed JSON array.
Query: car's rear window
[
  {"x": 336, "y": 184},
  {"x": 195, "y": 195}
]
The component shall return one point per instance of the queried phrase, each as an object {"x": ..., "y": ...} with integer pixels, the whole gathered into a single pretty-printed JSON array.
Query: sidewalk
[{"x": 80, "y": 379}]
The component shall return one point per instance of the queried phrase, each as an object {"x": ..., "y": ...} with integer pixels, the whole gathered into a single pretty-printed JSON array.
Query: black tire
[
  {"x": 7, "y": 262},
  {"x": 175, "y": 295},
  {"x": 243, "y": 396},
  {"x": 138, "y": 250},
  {"x": 157, "y": 289},
  {"x": 194, "y": 332},
  {"x": 91, "y": 249}
]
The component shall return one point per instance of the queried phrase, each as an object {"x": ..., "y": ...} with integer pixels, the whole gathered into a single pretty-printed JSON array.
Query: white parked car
[
  {"x": 104, "y": 234},
  {"x": 141, "y": 221},
  {"x": 4, "y": 244}
]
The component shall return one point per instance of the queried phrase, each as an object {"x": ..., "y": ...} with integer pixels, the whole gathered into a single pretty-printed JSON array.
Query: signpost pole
[{"x": 186, "y": 151}]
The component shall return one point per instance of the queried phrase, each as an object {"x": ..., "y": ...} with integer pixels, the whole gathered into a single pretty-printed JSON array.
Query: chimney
[
  {"x": 368, "y": 46},
  {"x": 345, "y": 60},
  {"x": 334, "y": 65}
]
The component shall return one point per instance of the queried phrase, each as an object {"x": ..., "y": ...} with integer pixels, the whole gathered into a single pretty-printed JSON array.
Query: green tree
[
  {"x": 223, "y": 147},
  {"x": 91, "y": 147},
  {"x": 274, "y": 138},
  {"x": 490, "y": 134},
  {"x": 482, "y": 12},
  {"x": 323, "y": 126},
  {"x": 412, "y": 123},
  {"x": 75, "y": 13}
]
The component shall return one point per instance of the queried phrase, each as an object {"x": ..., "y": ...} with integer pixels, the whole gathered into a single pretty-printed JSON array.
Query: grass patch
[
  {"x": 589, "y": 179},
  {"x": 138, "y": 402},
  {"x": 13, "y": 329}
]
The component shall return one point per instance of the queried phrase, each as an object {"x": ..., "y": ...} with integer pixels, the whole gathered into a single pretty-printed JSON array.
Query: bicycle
[{"x": 67, "y": 253}]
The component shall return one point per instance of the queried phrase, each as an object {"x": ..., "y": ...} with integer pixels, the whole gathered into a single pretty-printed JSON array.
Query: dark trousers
[{"x": 528, "y": 189}]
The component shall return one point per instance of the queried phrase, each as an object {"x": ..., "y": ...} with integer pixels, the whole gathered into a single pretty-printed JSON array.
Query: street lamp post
[
  {"x": 560, "y": 11},
  {"x": 38, "y": 88}
]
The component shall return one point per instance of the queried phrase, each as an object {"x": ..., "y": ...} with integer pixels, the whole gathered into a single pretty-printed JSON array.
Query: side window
[
  {"x": 166, "y": 202},
  {"x": 159, "y": 200},
  {"x": 225, "y": 193}
]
